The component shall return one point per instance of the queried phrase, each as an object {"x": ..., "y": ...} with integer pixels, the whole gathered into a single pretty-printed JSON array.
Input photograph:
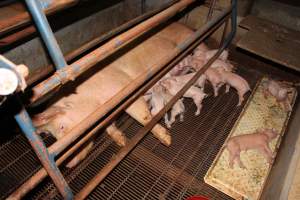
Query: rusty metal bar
[
  {"x": 41, "y": 174},
  {"x": 10, "y": 39},
  {"x": 24, "y": 18},
  {"x": 224, "y": 32},
  {"x": 211, "y": 10},
  {"x": 47, "y": 160},
  {"x": 143, "y": 131},
  {"x": 74, "y": 70}
]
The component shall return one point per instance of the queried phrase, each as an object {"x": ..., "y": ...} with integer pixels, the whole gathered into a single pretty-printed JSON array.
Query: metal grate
[{"x": 151, "y": 170}]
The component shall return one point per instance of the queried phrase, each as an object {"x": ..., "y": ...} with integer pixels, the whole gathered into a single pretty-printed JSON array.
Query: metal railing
[{"x": 67, "y": 73}]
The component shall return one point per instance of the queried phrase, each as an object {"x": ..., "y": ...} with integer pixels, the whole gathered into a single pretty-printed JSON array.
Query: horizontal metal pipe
[
  {"x": 10, "y": 39},
  {"x": 41, "y": 174},
  {"x": 41, "y": 151},
  {"x": 143, "y": 131},
  {"x": 23, "y": 17},
  {"x": 118, "y": 30},
  {"x": 74, "y": 70},
  {"x": 45, "y": 30}
]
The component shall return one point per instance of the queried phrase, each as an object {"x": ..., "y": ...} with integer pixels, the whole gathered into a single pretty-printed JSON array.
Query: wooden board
[
  {"x": 259, "y": 112},
  {"x": 271, "y": 41}
]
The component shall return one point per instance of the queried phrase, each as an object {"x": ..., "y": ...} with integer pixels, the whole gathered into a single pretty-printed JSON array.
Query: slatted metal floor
[{"x": 151, "y": 170}]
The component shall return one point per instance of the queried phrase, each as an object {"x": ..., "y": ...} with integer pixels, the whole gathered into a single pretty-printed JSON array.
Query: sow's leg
[{"x": 139, "y": 111}]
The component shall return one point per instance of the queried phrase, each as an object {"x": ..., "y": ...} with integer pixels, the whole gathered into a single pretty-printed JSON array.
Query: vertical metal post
[
  {"x": 45, "y": 30},
  {"x": 41, "y": 151}
]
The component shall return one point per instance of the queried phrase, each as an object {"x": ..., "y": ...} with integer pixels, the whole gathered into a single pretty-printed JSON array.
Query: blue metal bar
[
  {"x": 39, "y": 17},
  {"x": 41, "y": 151}
]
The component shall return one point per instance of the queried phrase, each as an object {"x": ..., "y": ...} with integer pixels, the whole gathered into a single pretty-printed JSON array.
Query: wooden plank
[
  {"x": 248, "y": 183},
  {"x": 271, "y": 41}
]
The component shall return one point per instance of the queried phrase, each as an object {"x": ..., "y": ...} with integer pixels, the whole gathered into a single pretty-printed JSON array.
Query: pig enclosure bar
[
  {"x": 21, "y": 18},
  {"x": 210, "y": 25},
  {"x": 78, "y": 67},
  {"x": 41, "y": 174}
]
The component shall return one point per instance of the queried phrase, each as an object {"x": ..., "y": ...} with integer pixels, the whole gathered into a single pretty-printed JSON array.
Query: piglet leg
[
  {"x": 287, "y": 105},
  {"x": 227, "y": 88},
  {"x": 167, "y": 122},
  {"x": 267, "y": 152},
  {"x": 216, "y": 89},
  {"x": 238, "y": 158},
  {"x": 173, "y": 118},
  {"x": 231, "y": 160},
  {"x": 241, "y": 98},
  {"x": 181, "y": 117},
  {"x": 199, "y": 107}
]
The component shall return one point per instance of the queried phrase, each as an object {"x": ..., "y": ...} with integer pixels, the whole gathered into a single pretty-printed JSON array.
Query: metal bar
[
  {"x": 45, "y": 30},
  {"x": 10, "y": 39},
  {"x": 78, "y": 130},
  {"x": 211, "y": 10},
  {"x": 41, "y": 174},
  {"x": 23, "y": 17},
  {"x": 74, "y": 70},
  {"x": 224, "y": 32},
  {"x": 143, "y": 131},
  {"x": 94, "y": 42},
  {"x": 41, "y": 151}
]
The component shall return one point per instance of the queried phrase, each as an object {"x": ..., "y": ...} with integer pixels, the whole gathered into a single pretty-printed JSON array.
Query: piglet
[
  {"x": 160, "y": 97},
  {"x": 200, "y": 50},
  {"x": 193, "y": 92},
  {"x": 236, "y": 81},
  {"x": 177, "y": 109},
  {"x": 279, "y": 91},
  {"x": 157, "y": 100},
  {"x": 223, "y": 65},
  {"x": 215, "y": 78},
  {"x": 185, "y": 78},
  {"x": 182, "y": 67},
  {"x": 258, "y": 140},
  {"x": 209, "y": 54}
]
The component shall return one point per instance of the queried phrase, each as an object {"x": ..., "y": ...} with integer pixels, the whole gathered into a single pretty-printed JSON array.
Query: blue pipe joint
[{"x": 46, "y": 3}]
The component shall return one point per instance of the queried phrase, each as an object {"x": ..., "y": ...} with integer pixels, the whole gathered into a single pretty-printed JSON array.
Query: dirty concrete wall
[
  {"x": 153, "y": 4},
  {"x": 71, "y": 37}
]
